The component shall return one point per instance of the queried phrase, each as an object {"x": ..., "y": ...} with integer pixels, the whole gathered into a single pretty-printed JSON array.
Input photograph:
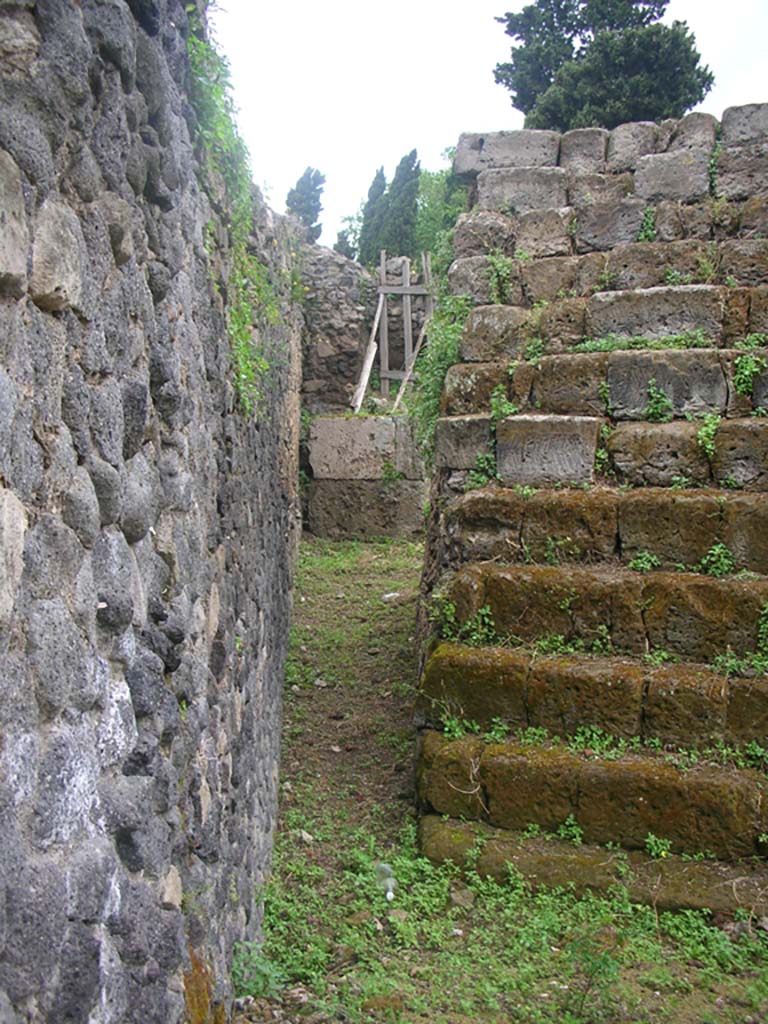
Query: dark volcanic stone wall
[{"x": 146, "y": 529}]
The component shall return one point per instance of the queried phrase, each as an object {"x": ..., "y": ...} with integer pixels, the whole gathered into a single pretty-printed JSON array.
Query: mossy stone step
[
  {"x": 712, "y": 315},
  {"x": 741, "y": 262},
  {"x": 605, "y": 524},
  {"x": 693, "y": 616},
  {"x": 678, "y": 705},
  {"x": 624, "y": 385},
  {"x": 721, "y": 811},
  {"x": 668, "y": 883}
]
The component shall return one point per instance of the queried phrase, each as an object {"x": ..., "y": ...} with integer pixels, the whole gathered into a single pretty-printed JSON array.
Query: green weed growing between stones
[
  {"x": 647, "y": 232},
  {"x": 250, "y": 295},
  {"x": 705, "y": 436},
  {"x": 659, "y": 408},
  {"x": 499, "y": 277}
]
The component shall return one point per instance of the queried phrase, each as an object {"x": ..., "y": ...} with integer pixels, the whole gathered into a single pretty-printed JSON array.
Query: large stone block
[
  {"x": 544, "y": 450},
  {"x": 494, "y": 332},
  {"x": 14, "y": 238},
  {"x": 478, "y": 684},
  {"x": 658, "y": 312},
  {"x": 564, "y": 693},
  {"x": 648, "y": 264},
  {"x": 658, "y": 454},
  {"x": 545, "y": 233},
  {"x": 695, "y": 131},
  {"x": 460, "y": 439},
  {"x": 744, "y": 530},
  {"x": 601, "y": 226},
  {"x": 482, "y": 231},
  {"x": 693, "y": 381},
  {"x": 521, "y": 189},
  {"x": 590, "y": 187},
  {"x": 478, "y": 152},
  {"x": 570, "y": 384},
  {"x": 682, "y": 176},
  {"x": 361, "y": 448},
  {"x": 741, "y": 454},
  {"x": 742, "y": 171},
  {"x": 748, "y": 123},
  {"x": 685, "y": 705},
  {"x": 570, "y": 526},
  {"x": 545, "y": 280},
  {"x": 745, "y": 260},
  {"x": 468, "y": 387},
  {"x": 678, "y": 527},
  {"x": 58, "y": 257},
  {"x": 471, "y": 276},
  {"x": 356, "y": 509},
  {"x": 584, "y": 149},
  {"x": 562, "y": 323},
  {"x": 629, "y": 142}
]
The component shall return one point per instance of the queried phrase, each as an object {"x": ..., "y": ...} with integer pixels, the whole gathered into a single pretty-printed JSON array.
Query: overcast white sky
[{"x": 349, "y": 85}]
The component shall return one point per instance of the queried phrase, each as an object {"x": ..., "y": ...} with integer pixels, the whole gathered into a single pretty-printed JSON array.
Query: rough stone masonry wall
[{"x": 145, "y": 534}]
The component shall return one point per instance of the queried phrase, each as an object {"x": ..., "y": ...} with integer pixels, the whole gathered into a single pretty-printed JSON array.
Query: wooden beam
[
  {"x": 384, "y": 344},
  {"x": 370, "y": 355}
]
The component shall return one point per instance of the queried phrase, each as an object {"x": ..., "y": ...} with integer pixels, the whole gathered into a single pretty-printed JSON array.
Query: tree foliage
[
  {"x": 389, "y": 214},
  {"x": 600, "y": 62},
  {"x": 303, "y": 200},
  {"x": 374, "y": 213}
]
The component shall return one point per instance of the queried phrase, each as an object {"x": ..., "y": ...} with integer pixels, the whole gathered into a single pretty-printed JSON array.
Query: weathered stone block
[
  {"x": 342, "y": 448},
  {"x": 564, "y": 693},
  {"x": 13, "y": 528},
  {"x": 477, "y": 152},
  {"x": 544, "y": 233},
  {"x": 521, "y": 189},
  {"x": 671, "y": 223},
  {"x": 570, "y": 384},
  {"x": 601, "y": 226},
  {"x": 629, "y": 142},
  {"x": 57, "y": 257},
  {"x": 479, "y": 684},
  {"x": 695, "y": 131},
  {"x": 752, "y": 217},
  {"x": 546, "y": 449},
  {"x": 741, "y": 454},
  {"x": 693, "y": 381},
  {"x": 484, "y": 524},
  {"x": 658, "y": 312},
  {"x": 745, "y": 530},
  {"x": 747, "y": 710},
  {"x": 444, "y": 771},
  {"x": 492, "y": 332},
  {"x": 589, "y": 187},
  {"x": 562, "y": 323},
  {"x": 745, "y": 260},
  {"x": 471, "y": 276},
  {"x": 545, "y": 280},
  {"x": 685, "y": 706},
  {"x": 747, "y": 123},
  {"x": 647, "y": 264},
  {"x": 482, "y": 231},
  {"x": 675, "y": 526},
  {"x": 342, "y": 509},
  {"x": 742, "y": 171},
  {"x": 655, "y": 454},
  {"x": 14, "y": 238},
  {"x": 682, "y": 176},
  {"x": 570, "y": 526},
  {"x": 758, "y": 310},
  {"x": 584, "y": 149},
  {"x": 460, "y": 439},
  {"x": 468, "y": 387}
]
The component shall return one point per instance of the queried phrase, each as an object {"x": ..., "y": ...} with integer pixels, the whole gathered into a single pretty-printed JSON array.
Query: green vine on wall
[{"x": 250, "y": 295}]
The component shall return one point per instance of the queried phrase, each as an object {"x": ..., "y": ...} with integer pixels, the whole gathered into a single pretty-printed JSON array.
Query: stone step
[
  {"x": 541, "y": 266},
  {"x": 731, "y": 454},
  {"x": 667, "y": 883},
  {"x": 624, "y": 385},
  {"x": 710, "y": 809},
  {"x": 690, "y": 316},
  {"x": 677, "y": 705},
  {"x": 605, "y": 524},
  {"x": 692, "y": 616}
]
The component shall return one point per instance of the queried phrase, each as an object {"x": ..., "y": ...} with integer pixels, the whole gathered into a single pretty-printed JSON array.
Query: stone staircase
[{"x": 594, "y": 700}]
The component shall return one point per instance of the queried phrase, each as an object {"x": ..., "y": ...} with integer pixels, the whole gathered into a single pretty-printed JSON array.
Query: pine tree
[
  {"x": 303, "y": 200},
  {"x": 600, "y": 62},
  {"x": 374, "y": 215}
]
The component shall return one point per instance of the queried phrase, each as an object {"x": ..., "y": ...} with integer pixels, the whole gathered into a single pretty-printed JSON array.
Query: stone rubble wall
[{"x": 146, "y": 531}]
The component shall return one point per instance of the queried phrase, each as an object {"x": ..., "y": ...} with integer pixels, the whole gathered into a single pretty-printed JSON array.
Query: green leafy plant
[
  {"x": 705, "y": 436},
  {"x": 534, "y": 350},
  {"x": 617, "y": 343},
  {"x": 659, "y": 408},
  {"x": 389, "y": 472},
  {"x": 485, "y": 471},
  {"x": 657, "y": 847},
  {"x": 602, "y": 456},
  {"x": 456, "y": 728},
  {"x": 644, "y": 561},
  {"x": 571, "y": 831},
  {"x": 497, "y": 732},
  {"x": 647, "y": 232},
  {"x": 717, "y": 562},
  {"x": 674, "y": 277},
  {"x": 500, "y": 268},
  {"x": 501, "y": 406},
  {"x": 253, "y": 974},
  {"x": 745, "y": 368}
]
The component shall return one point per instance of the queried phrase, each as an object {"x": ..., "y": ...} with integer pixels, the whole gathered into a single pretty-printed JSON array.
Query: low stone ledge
[{"x": 544, "y": 450}]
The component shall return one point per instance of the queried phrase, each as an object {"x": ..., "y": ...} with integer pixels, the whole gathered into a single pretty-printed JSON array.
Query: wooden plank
[
  {"x": 384, "y": 339},
  {"x": 409, "y": 369},
  {"x": 370, "y": 355},
  {"x": 426, "y": 261},
  {"x": 407, "y": 315},
  {"x": 398, "y": 289}
]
